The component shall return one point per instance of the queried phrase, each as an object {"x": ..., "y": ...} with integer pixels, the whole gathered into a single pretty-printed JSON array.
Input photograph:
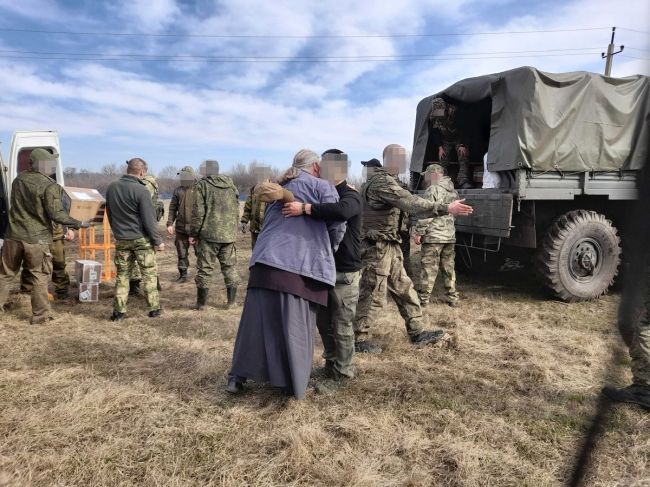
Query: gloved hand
[
  {"x": 242, "y": 227},
  {"x": 270, "y": 192},
  {"x": 84, "y": 224}
]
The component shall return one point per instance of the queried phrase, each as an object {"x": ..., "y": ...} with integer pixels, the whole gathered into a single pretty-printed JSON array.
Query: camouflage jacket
[
  {"x": 383, "y": 198},
  {"x": 152, "y": 186},
  {"x": 440, "y": 229},
  {"x": 216, "y": 210},
  {"x": 35, "y": 206},
  {"x": 180, "y": 209},
  {"x": 254, "y": 212}
]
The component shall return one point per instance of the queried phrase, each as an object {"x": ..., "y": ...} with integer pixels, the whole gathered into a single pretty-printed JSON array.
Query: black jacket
[
  {"x": 348, "y": 209},
  {"x": 130, "y": 210}
]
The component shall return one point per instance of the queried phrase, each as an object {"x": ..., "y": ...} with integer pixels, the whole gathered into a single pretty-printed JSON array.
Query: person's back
[
  {"x": 133, "y": 220},
  {"x": 299, "y": 245},
  {"x": 123, "y": 199},
  {"x": 217, "y": 203},
  {"x": 440, "y": 229}
]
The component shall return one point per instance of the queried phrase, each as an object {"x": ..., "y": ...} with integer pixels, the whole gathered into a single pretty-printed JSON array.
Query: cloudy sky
[{"x": 283, "y": 75}]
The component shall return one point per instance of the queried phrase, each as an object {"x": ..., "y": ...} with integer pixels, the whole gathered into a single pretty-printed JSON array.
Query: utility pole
[{"x": 610, "y": 54}]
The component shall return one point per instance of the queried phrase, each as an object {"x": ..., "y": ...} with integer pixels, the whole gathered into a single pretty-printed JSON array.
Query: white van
[{"x": 22, "y": 144}]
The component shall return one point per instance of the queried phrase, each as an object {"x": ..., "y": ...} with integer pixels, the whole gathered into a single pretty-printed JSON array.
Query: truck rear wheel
[{"x": 579, "y": 256}]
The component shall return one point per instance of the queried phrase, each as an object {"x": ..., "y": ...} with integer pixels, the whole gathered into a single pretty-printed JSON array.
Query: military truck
[
  {"x": 22, "y": 144},
  {"x": 567, "y": 149}
]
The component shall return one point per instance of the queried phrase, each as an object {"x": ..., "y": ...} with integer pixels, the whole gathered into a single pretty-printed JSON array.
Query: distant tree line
[{"x": 244, "y": 176}]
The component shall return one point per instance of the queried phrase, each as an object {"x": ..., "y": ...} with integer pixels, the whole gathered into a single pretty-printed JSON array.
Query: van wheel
[{"x": 579, "y": 256}]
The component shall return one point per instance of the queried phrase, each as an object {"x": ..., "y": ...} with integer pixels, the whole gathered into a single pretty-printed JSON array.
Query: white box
[
  {"x": 88, "y": 292},
  {"x": 88, "y": 271}
]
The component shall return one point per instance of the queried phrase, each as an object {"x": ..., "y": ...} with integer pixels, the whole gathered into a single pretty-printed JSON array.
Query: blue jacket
[{"x": 301, "y": 245}]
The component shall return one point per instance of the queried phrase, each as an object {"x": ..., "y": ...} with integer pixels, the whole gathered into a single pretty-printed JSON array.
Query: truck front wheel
[{"x": 579, "y": 256}]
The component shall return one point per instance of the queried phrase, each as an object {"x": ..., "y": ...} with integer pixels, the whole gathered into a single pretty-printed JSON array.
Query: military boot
[
  {"x": 366, "y": 346},
  {"x": 134, "y": 287},
  {"x": 231, "y": 294},
  {"x": 634, "y": 394},
  {"x": 201, "y": 298},
  {"x": 425, "y": 337},
  {"x": 182, "y": 275}
]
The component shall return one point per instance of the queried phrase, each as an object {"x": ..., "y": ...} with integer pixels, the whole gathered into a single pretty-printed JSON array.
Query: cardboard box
[
  {"x": 88, "y": 292},
  {"x": 85, "y": 204},
  {"x": 88, "y": 271}
]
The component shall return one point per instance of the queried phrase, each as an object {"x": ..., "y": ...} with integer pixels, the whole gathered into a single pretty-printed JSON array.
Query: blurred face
[
  {"x": 395, "y": 160},
  {"x": 210, "y": 168},
  {"x": 261, "y": 174},
  {"x": 334, "y": 167},
  {"x": 186, "y": 179},
  {"x": 434, "y": 177}
]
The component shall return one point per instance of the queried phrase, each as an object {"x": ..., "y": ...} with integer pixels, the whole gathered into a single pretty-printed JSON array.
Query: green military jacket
[
  {"x": 383, "y": 198},
  {"x": 216, "y": 210},
  {"x": 254, "y": 210},
  {"x": 152, "y": 186},
  {"x": 180, "y": 209},
  {"x": 35, "y": 206},
  {"x": 440, "y": 229}
]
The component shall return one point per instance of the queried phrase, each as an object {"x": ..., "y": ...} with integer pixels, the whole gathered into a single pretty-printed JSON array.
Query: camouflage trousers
[
  {"x": 36, "y": 260},
  {"x": 406, "y": 252},
  {"x": 137, "y": 254},
  {"x": 207, "y": 254},
  {"x": 640, "y": 349},
  {"x": 334, "y": 323},
  {"x": 438, "y": 256},
  {"x": 463, "y": 161},
  {"x": 383, "y": 273},
  {"x": 182, "y": 244},
  {"x": 60, "y": 276}
]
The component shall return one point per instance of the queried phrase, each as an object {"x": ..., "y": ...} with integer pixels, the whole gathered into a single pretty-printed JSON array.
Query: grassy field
[{"x": 87, "y": 402}]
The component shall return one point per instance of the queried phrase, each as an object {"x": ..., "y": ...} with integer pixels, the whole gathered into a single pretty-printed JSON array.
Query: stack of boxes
[{"x": 89, "y": 275}]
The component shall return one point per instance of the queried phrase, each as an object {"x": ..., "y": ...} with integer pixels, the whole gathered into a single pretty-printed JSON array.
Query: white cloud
[
  {"x": 147, "y": 15},
  {"x": 274, "y": 108}
]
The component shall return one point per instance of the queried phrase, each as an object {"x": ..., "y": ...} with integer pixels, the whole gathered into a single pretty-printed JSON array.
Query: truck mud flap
[{"x": 492, "y": 214}]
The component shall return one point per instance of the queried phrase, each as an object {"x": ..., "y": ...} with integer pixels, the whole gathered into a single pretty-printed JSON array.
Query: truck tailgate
[{"x": 492, "y": 214}]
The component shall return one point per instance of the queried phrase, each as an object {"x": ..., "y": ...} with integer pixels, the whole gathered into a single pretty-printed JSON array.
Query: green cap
[
  {"x": 187, "y": 169},
  {"x": 434, "y": 167},
  {"x": 42, "y": 155}
]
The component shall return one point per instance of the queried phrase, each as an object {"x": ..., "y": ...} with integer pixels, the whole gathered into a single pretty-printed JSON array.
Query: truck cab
[{"x": 22, "y": 144}]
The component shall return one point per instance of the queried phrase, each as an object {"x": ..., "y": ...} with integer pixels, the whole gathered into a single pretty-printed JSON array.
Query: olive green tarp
[{"x": 546, "y": 122}]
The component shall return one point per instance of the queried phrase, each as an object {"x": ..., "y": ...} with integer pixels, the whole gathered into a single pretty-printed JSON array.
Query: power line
[
  {"x": 281, "y": 58},
  {"x": 289, "y": 60},
  {"x": 279, "y": 36},
  {"x": 634, "y": 57},
  {"x": 635, "y": 30}
]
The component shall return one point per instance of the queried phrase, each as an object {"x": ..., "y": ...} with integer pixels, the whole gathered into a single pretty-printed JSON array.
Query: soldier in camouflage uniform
[
  {"x": 132, "y": 217},
  {"x": 213, "y": 229},
  {"x": 60, "y": 276},
  {"x": 438, "y": 237},
  {"x": 382, "y": 260},
  {"x": 443, "y": 119},
  {"x": 180, "y": 212},
  {"x": 135, "y": 278},
  {"x": 35, "y": 207},
  {"x": 253, "y": 216}
]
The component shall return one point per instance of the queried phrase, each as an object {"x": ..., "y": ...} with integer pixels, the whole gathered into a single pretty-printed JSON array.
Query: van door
[
  {"x": 22, "y": 144},
  {"x": 4, "y": 215}
]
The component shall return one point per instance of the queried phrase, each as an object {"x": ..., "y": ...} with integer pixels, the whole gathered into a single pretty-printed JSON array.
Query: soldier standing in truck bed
[
  {"x": 444, "y": 120},
  {"x": 382, "y": 260}
]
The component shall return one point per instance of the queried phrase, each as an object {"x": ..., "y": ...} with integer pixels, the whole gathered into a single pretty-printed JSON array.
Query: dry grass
[{"x": 89, "y": 402}]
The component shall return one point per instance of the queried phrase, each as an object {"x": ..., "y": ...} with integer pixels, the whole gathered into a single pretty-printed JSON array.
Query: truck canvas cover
[{"x": 547, "y": 122}]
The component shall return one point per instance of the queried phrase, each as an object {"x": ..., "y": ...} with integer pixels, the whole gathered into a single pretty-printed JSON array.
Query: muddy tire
[{"x": 579, "y": 257}]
